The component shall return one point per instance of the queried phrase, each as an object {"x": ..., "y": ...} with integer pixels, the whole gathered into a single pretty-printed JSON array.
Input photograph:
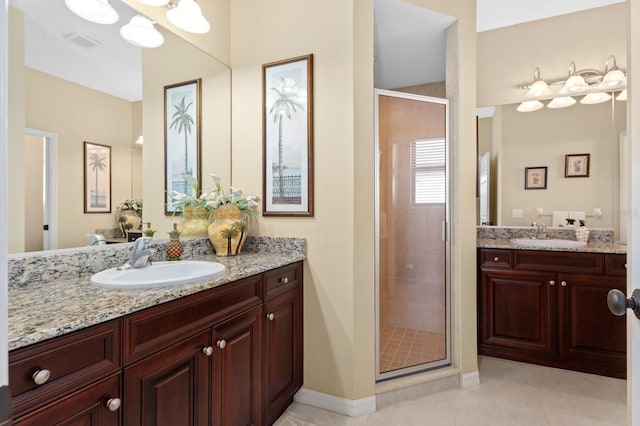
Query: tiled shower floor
[{"x": 404, "y": 347}]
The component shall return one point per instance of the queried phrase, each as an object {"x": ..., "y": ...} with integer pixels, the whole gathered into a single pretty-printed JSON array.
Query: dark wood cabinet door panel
[
  {"x": 86, "y": 407},
  {"x": 71, "y": 361},
  {"x": 615, "y": 265},
  {"x": 518, "y": 311},
  {"x": 282, "y": 280},
  {"x": 236, "y": 375},
  {"x": 588, "y": 331},
  {"x": 170, "y": 388},
  {"x": 147, "y": 331},
  {"x": 558, "y": 261},
  {"x": 282, "y": 352}
]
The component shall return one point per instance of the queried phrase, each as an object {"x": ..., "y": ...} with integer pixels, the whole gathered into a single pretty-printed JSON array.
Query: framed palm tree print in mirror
[
  {"x": 97, "y": 178},
  {"x": 182, "y": 133},
  {"x": 287, "y": 133}
]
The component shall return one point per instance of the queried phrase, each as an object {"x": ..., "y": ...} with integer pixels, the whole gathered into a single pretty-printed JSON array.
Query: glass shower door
[{"x": 412, "y": 251}]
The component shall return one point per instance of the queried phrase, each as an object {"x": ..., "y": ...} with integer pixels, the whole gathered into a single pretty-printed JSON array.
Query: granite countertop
[
  {"x": 591, "y": 247},
  {"x": 45, "y": 309}
]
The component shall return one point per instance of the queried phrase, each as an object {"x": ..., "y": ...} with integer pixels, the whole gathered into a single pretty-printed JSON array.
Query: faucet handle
[{"x": 141, "y": 243}]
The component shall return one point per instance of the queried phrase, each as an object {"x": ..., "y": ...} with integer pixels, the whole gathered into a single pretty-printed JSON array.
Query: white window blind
[{"x": 428, "y": 171}]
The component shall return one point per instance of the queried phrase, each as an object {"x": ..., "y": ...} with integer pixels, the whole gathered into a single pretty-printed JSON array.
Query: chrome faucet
[
  {"x": 140, "y": 254},
  {"x": 540, "y": 232}
]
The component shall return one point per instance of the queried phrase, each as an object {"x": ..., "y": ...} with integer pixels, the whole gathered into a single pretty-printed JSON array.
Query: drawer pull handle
[
  {"x": 221, "y": 343},
  {"x": 284, "y": 280},
  {"x": 41, "y": 377},
  {"x": 208, "y": 350},
  {"x": 496, "y": 259},
  {"x": 113, "y": 404},
  {"x": 270, "y": 316},
  {"x": 563, "y": 283},
  {"x": 552, "y": 282}
]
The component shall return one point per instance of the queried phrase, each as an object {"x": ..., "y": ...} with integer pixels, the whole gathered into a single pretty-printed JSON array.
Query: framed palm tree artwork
[
  {"x": 287, "y": 131},
  {"x": 182, "y": 134},
  {"x": 97, "y": 178}
]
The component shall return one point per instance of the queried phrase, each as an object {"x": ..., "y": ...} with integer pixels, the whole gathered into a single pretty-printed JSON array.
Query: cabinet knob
[
  {"x": 495, "y": 259},
  {"x": 563, "y": 283},
  {"x": 552, "y": 282},
  {"x": 113, "y": 404},
  {"x": 221, "y": 343},
  {"x": 208, "y": 350},
  {"x": 270, "y": 316},
  {"x": 41, "y": 377},
  {"x": 284, "y": 280}
]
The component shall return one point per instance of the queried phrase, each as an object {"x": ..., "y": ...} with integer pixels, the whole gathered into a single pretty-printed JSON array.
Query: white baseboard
[
  {"x": 470, "y": 380},
  {"x": 348, "y": 407}
]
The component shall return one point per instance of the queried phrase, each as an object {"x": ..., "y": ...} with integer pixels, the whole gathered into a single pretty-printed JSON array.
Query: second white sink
[
  {"x": 551, "y": 243},
  {"x": 159, "y": 274}
]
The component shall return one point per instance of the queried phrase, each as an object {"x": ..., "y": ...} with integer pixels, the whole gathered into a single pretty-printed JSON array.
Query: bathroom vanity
[
  {"x": 227, "y": 352},
  {"x": 549, "y": 307}
]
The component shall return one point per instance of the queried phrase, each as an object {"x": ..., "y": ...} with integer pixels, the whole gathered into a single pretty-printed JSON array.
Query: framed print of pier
[{"x": 287, "y": 132}]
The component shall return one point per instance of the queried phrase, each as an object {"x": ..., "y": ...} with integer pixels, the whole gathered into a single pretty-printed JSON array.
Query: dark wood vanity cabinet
[
  {"x": 550, "y": 308},
  {"x": 231, "y": 355}
]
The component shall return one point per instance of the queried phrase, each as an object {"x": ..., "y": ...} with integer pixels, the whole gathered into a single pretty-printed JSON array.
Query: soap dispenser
[
  {"x": 148, "y": 232},
  {"x": 174, "y": 246}
]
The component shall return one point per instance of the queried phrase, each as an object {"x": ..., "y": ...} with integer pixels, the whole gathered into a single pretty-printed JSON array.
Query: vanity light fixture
[
  {"x": 539, "y": 88},
  {"x": 614, "y": 77},
  {"x": 153, "y": 2},
  {"x": 187, "y": 16},
  {"x": 97, "y": 11},
  {"x": 576, "y": 84},
  {"x": 561, "y": 102},
  {"x": 529, "y": 106},
  {"x": 595, "y": 98},
  {"x": 140, "y": 140},
  {"x": 141, "y": 32},
  {"x": 622, "y": 96}
]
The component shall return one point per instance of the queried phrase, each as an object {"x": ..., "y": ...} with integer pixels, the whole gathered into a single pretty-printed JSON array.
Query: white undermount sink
[
  {"x": 550, "y": 243},
  {"x": 159, "y": 274}
]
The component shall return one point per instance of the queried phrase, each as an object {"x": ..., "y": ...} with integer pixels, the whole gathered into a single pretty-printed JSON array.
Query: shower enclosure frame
[{"x": 446, "y": 236}]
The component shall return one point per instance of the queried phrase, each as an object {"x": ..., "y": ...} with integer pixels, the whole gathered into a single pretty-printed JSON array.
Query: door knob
[{"x": 618, "y": 303}]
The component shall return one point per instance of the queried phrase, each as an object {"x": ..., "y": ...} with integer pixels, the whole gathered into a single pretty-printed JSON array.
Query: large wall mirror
[{"x": 73, "y": 81}]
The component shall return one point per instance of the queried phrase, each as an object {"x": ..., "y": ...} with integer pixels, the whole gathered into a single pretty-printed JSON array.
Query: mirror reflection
[{"x": 74, "y": 81}]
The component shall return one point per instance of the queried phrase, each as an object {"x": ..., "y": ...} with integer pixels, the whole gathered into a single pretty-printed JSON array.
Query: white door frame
[{"x": 50, "y": 213}]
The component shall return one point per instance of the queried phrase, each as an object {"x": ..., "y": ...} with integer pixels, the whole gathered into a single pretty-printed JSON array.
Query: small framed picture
[
  {"x": 535, "y": 177},
  {"x": 97, "y": 178},
  {"x": 576, "y": 165}
]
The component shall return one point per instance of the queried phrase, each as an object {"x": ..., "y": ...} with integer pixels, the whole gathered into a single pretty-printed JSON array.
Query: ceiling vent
[{"x": 81, "y": 40}]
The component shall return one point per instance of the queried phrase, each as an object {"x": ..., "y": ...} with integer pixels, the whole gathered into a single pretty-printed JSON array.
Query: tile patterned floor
[
  {"x": 510, "y": 394},
  {"x": 405, "y": 347}
]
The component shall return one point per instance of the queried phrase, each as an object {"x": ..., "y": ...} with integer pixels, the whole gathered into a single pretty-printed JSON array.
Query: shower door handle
[{"x": 445, "y": 231}]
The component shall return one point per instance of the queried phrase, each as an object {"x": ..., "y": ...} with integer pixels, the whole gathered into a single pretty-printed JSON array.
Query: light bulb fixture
[
  {"x": 96, "y": 11},
  {"x": 561, "y": 102},
  {"x": 530, "y": 106},
  {"x": 141, "y": 32},
  {"x": 614, "y": 78},
  {"x": 153, "y": 2},
  {"x": 595, "y": 98},
  {"x": 187, "y": 16},
  {"x": 622, "y": 96},
  {"x": 575, "y": 85},
  {"x": 140, "y": 140},
  {"x": 539, "y": 88}
]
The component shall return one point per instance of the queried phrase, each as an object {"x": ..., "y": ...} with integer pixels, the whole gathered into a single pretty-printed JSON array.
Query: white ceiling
[{"x": 410, "y": 40}]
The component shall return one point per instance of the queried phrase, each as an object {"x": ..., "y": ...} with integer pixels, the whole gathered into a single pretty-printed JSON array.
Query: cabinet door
[
  {"x": 94, "y": 405},
  {"x": 518, "y": 313},
  {"x": 170, "y": 388},
  {"x": 590, "y": 335},
  {"x": 282, "y": 353},
  {"x": 236, "y": 370}
]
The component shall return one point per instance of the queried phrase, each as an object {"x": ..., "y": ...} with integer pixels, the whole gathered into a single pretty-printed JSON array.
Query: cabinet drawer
[
  {"x": 585, "y": 263},
  {"x": 158, "y": 327},
  {"x": 71, "y": 361},
  {"x": 616, "y": 265},
  {"x": 282, "y": 280},
  {"x": 500, "y": 259}
]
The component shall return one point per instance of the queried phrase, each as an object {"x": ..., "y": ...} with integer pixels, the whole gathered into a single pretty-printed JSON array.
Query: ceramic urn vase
[
  {"x": 228, "y": 231},
  {"x": 195, "y": 222}
]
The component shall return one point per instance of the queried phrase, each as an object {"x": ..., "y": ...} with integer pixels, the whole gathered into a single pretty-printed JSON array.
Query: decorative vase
[
  {"x": 128, "y": 220},
  {"x": 174, "y": 246},
  {"x": 195, "y": 222},
  {"x": 228, "y": 231}
]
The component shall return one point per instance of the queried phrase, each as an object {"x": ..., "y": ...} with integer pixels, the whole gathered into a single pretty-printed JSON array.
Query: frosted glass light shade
[
  {"x": 530, "y": 106},
  {"x": 622, "y": 96},
  {"x": 575, "y": 85},
  {"x": 561, "y": 102},
  {"x": 153, "y": 2},
  {"x": 538, "y": 89},
  {"x": 187, "y": 16},
  {"x": 141, "y": 32},
  {"x": 614, "y": 79},
  {"x": 97, "y": 11},
  {"x": 595, "y": 98}
]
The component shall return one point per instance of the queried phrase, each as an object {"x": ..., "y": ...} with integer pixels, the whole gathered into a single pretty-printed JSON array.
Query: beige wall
[
  {"x": 543, "y": 138},
  {"x": 33, "y": 175},
  {"x": 436, "y": 90},
  {"x": 339, "y": 272}
]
